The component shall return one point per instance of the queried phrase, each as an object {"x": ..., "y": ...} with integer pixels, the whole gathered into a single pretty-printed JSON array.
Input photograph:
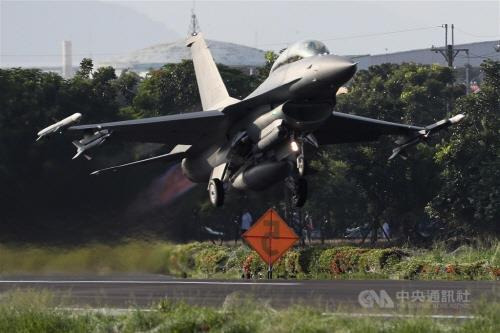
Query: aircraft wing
[
  {"x": 186, "y": 128},
  {"x": 343, "y": 128}
]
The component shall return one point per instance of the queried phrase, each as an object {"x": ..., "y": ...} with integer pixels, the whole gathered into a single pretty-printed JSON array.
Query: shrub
[
  {"x": 211, "y": 260},
  {"x": 309, "y": 259}
]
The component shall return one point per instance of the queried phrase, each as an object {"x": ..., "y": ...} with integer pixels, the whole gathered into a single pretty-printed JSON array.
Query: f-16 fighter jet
[{"x": 253, "y": 143}]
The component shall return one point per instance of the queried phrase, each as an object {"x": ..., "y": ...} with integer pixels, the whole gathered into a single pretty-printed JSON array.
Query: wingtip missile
[
  {"x": 60, "y": 125},
  {"x": 404, "y": 143},
  {"x": 457, "y": 118},
  {"x": 442, "y": 124}
]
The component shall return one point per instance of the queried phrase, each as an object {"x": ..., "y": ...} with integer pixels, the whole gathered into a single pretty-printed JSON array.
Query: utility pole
[{"x": 449, "y": 52}]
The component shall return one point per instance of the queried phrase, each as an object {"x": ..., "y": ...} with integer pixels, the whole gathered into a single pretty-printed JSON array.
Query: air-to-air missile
[
  {"x": 59, "y": 126},
  {"x": 405, "y": 142}
]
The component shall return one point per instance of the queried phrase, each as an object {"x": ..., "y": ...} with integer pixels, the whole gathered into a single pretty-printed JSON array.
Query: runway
[{"x": 123, "y": 291}]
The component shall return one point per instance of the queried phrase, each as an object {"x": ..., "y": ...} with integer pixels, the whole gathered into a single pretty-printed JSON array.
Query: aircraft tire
[
  {"x": 216, "y": 192},
  {"x": 299, "y": 195}
]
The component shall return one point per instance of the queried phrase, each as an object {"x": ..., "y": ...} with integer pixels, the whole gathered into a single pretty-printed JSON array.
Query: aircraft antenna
[{"x": 194, "y": 26}]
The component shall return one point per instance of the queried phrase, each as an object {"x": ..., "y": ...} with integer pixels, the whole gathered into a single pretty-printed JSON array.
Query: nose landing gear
[
  {"x": 301, "y": 165},
  {"x": 296, "y": 183}
]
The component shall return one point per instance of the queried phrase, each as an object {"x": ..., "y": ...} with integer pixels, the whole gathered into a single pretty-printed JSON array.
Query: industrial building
[{"x": 478, "y": 52}]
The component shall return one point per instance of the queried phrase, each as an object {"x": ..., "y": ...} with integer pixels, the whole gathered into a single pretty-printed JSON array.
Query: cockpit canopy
[{"x": 300, "y": 50}]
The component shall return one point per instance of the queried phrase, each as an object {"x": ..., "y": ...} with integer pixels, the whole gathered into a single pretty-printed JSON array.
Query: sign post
[{"x": 270, "y": 237}]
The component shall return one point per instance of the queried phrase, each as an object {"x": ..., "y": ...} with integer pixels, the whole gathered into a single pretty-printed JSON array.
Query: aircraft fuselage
[{"x": 293, "y": 101}]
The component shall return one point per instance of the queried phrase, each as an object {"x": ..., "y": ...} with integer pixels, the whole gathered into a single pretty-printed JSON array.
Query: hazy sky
[
  {"x": 31, "y": 32},
  {"x": 271, "y": 25}
]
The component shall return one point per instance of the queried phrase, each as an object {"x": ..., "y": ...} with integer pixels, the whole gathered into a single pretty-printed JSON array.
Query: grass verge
[{"x": 30, "y": 311}]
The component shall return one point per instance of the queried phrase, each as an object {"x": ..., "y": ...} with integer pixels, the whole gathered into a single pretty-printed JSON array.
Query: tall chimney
[{"x": 67, "y": 68}]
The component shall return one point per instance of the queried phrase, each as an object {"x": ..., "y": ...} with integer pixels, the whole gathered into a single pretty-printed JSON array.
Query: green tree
[
  {"x": 168, "y": 90},
  {"x": 393, "y": 190},
  {"x": 469, "y": 199},
  {"x": 263, "y": 72},
  {"x": 126, "y": 85},
  {"x": 173, "y": 89},
  {"x": 86, "y": 67}
]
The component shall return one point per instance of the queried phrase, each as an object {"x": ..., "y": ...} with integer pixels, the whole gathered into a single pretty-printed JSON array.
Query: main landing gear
[
  {"x": 216, "y": 192},
  {"x": 295, "y": 183},
  {"x": 216, "y": 185}
]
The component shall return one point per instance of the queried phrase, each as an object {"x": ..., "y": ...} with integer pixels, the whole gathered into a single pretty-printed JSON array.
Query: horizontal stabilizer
[{"x": 170, "y": 157}]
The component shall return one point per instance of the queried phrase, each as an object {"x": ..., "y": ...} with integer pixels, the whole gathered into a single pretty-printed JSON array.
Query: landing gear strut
[
  {"x": 301, "y": 165},
  {"x": 216, "y": 192}
]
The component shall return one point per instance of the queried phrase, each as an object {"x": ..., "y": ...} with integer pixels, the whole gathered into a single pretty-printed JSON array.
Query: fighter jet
[{"x": 253, "y": 143}]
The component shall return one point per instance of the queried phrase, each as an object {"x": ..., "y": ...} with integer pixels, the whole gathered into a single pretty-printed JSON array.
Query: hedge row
[{"x": 209, "y": 260}]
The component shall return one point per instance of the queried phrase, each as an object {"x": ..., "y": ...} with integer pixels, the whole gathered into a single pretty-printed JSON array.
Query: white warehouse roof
[{"x": 229, "y": 54}]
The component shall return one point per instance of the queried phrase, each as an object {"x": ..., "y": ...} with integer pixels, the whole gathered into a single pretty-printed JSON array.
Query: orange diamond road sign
[{"x": 270, "y": 236}]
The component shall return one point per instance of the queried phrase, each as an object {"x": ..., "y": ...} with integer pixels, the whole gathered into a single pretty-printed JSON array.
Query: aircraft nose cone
[
  {"x": 324, "y": 73},
  {"x": 336, "y": 70}
]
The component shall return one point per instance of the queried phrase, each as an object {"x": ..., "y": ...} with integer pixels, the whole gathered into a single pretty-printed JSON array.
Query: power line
[
  {"x": 86, "y": 54},
  {"x": 361, "y": 36},
  {"x": 55, "y": 55},
  {"x": 266, "y": 44},
  {"x": 478, "y": 36},
  {"x": 381, "y": 33},
  {"x": 260, "y": 45}
]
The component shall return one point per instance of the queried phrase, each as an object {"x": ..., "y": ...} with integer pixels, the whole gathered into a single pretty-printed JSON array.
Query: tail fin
[{"x": 213, "y": 92}]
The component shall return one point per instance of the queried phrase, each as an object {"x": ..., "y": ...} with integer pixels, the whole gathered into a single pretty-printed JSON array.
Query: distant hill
[{"x": 34, "y": 30}]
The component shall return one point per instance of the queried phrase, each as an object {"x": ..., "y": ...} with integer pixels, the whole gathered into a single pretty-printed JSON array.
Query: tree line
[{"x": 46, "y": 197}]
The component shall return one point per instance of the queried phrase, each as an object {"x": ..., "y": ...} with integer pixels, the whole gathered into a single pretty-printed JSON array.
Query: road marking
[
  {"x": 121, "y": 311},
  {"x": 149, "y": 282},
  {"x": 395, "y": 315}
]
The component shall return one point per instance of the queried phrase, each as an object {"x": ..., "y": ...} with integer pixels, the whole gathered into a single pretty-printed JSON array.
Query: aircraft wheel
[
  {"x": 299, "y": 195},
  {"x": 301, "y": 165},
  {"x": 216, "y": 192}
]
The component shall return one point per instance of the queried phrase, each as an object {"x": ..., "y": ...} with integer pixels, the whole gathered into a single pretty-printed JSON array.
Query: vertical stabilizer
[{"x": 213, "y": 92}]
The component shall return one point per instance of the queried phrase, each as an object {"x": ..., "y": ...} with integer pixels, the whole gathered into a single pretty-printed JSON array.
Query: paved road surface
[{"x": 446, "y": 297}]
